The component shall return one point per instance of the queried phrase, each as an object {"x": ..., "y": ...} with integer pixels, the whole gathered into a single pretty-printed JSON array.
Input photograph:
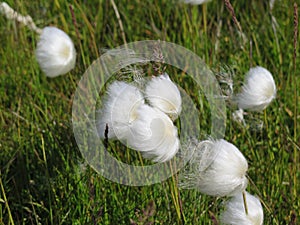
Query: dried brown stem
[
  {"x": 74, "y": 22},
  {"x": 231, "y": 10}
]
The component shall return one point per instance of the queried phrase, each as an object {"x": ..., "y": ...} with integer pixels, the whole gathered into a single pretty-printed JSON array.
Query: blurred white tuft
[
  {"x": 164, "y": 95},
  {"x": 119, "y": 110},
  {"x": 216, "y": 168},
  {"x": 55, "y": 52},
  {"x": 258, "y": 90},
  {"x": 235, "y": 214}
]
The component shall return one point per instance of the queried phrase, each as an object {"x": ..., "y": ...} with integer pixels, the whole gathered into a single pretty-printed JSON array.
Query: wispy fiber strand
[{"x": 10, "y": 14}]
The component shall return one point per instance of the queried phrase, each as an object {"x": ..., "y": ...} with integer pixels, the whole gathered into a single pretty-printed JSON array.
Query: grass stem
[
  {"x": 295, "y": 93},
  {"x": 245, "y": 202},
  {"x": 119, "y": 20},
  {"x": 6, "y": 202}
]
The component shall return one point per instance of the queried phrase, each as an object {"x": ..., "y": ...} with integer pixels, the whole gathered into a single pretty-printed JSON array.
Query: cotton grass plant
[
  {"x": 164, "y": 95},
  {"x": 55, "y": 50},
  {"x": 236, "y": 214},
  {"x": 119, "y": 110},
  {"x": 153, "y": 134},
  {"x": 145, "y": 128},
  {"x": 258, "y": 91},
  {"x": 140, "y": 116},
  {"x": 216, "y": 168}
]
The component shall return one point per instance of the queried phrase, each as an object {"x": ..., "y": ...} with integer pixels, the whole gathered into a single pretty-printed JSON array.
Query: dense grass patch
[{"x": 45, "y": 180}]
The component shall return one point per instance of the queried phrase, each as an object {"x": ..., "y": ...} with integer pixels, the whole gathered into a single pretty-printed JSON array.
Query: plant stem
[
  {"x": 295, "y": 92},
  {"x": 245, "y": 202},
  {"x": 119, "y": 20},
  {"x": 13, "y": 15},
  {"x": 6, "y": 202}
]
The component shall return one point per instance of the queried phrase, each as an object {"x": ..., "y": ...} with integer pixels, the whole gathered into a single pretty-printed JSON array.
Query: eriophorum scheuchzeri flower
[
  {"x": 258, "y": 91},
  {"x": 153, "y": 134},
  {"x": 164, "y": 95},
  {"x": 55, "y": 52},
  {"x": 236, "y": 214},
  {"x": 119, "y": 110},
  {"x": 216, "y": 168},
  {"x": 136, "y": 124}
]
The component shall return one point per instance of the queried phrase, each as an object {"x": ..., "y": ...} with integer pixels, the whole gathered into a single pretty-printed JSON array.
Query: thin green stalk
[
  {"x": 119, "y": 21},
  {"x": 176, "y": 197},
  {"x": 295, "y": 93},
  {"x": 6, "y": 202},
  {"x": 204, "y": 9}
]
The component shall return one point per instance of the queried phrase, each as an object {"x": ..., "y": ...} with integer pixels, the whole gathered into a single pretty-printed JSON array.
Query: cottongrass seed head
[
  {"x": 138, "y": 125},
  {"x": 119, "y": 110},
  {"x": 55, "y": 52},
  {"x": 258, "y": 90},
  {"x": 153, "y": 134},
  {"x": 164, "y": 95},
  {"x": 216, "y": 168},
  {"x": 235, "y": 214}
]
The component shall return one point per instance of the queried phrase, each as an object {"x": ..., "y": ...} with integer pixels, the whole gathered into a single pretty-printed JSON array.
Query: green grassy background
[{"x": 44, "y": 179}]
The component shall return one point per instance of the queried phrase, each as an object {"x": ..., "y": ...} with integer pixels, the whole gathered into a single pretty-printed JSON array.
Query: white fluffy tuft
[
  {"x": 164, "y": 95},
  {"x": 141, "y": 127},
  {"x": 55, "y": 52},
  {"x": 153, "y": 134},
  {"x": 234, "y": 213},
  {"x": 119, "y": 110},
  {"x": 216, "y": 168},
  {"x": 258, "y": 90}
]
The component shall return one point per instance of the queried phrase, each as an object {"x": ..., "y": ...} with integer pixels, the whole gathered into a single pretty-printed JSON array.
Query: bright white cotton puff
[
  {"x": 153, "y": 134},
  {"x": 234, "y": 213},
  {"x": 55, "y": 52},
  {"x": 216, "y": 168},
  {"x": 258, "y": 90},
  {"x": 119, "y": 109},
  {"x": 164, "y": 95}
]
